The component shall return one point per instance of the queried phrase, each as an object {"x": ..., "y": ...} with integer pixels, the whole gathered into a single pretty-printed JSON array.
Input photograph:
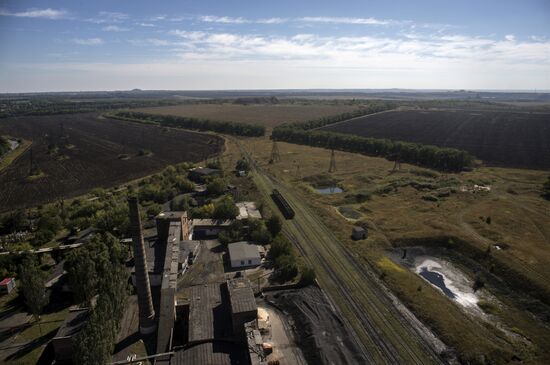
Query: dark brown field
[
  {"x": 508, "y": 139},
  {"x": 99, "y": 153}
]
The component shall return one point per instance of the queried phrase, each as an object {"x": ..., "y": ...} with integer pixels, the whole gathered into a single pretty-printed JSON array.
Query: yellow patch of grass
[{"x": 385, "y": 264}]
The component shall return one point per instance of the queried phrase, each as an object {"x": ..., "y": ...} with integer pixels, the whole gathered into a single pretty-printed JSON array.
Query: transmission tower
[
  {"x": 275, "y": 156},
  {"x": 332, "y": 167},
  {"x": 397, "y": 164}
]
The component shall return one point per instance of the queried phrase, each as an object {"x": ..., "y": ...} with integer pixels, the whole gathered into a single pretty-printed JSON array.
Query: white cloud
[
  {"x": 271, "y": 21},
  {"x": 152, "y": 42},
  {"x": 510, "y": 37},
  {"x": 108, "y": 17},
  {"x": 361, "y": 51},
  {"x": 148, "y": 25},
  {"x": 114, "y": 28},
  {"x": 222, "y": 19},
  {"x": 344, "y": 20},
  {"x": 88, "y": 41},
  {"x": 37, "y": 13}
]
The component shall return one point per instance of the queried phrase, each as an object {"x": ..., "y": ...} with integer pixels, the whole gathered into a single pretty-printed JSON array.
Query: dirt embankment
[{"x": 320, "y": 333}]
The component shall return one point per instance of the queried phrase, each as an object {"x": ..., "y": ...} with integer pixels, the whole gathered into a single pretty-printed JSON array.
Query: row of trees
[
  {"x": 373, "y": 107},
  {"x": 97, "y": 270},
  {"x": 233, "y": 128},
  {"x": 61, "y": 106},
  {"x": 447, "y": 159}
]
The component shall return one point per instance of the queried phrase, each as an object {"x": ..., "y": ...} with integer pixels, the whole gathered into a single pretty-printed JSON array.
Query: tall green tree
[
  {"x": 274, "y": 225},
  {"x": 32, "y": 281},
  {"x": 225, "y": 209}
]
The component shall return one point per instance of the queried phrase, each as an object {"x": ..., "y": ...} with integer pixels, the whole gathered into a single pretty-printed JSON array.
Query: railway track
[{"x": 384, "y": 334}]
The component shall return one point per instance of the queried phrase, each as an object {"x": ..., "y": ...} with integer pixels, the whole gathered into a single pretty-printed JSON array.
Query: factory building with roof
[{"x": 244, "y": 254}]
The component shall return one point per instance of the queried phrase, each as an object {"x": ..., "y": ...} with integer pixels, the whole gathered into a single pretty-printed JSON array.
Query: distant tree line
[
  {"x": 374, "y": 107},
  {"x": 14, "y": 108},
  {"x": 441, "y": 158},
  {"x": 233, "y": 128}
]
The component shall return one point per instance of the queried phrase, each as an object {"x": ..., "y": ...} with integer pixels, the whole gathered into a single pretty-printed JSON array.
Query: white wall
[{"x": 255, "y": 261}]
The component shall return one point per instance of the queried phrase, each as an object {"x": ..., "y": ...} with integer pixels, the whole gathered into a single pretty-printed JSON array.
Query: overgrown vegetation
[{"x": 233, "y": 128}]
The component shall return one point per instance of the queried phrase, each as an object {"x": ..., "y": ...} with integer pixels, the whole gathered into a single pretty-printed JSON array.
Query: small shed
[
  {"x": 359, "y": 233},
  {"x": 7, "y": 285},
  {"x": 244, "y": 254}
]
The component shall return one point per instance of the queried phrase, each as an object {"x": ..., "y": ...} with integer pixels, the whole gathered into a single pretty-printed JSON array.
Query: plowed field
[
  {"x": 508, "y": 139},
  {"x": 94, "y": 152}
]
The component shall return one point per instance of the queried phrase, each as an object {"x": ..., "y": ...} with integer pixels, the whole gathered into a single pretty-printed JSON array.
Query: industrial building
[
  {"x": 208, "y": 228},
  {"x": 210, "y": 319},
  {"x": 244, "y": 254}
]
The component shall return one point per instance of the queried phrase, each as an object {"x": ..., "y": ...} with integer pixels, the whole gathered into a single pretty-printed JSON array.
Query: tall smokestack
[{"x": 146, "y": 311}]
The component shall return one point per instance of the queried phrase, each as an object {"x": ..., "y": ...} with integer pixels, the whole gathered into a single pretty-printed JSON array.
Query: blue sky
[{"x": 184, "y": 45}]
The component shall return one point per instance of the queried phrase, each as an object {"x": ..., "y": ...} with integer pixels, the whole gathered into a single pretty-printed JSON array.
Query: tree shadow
[{"x": 32, "y": 345}]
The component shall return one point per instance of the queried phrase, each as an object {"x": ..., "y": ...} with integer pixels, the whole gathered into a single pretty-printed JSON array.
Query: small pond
[
  {"x": 329, "y": 190},
  {"x": 448, "y": 279}
]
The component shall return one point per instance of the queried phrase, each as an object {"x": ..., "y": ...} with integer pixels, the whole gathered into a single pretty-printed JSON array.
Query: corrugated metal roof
[
  {"x": 243, "y": 251},
  {"x": 241, "y": 295}
]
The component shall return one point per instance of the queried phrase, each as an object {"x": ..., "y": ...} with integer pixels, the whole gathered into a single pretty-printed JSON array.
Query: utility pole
[
  {"x": 332, "y": 167},
  {"x": 397, "y": 164}
]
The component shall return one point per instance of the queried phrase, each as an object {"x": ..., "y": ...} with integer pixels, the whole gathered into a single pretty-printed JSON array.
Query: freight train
[{"x": 283, "y": 205}]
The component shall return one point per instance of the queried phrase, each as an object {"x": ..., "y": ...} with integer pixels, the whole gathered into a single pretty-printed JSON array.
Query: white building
[
  {"x": 248, "y": 210},
  {"x": 244, "y": 254}
]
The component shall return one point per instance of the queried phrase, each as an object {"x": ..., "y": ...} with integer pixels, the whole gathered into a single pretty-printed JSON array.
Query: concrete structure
[
  {"x": 208, "y": 228},
  {"x": 164, "y": 219},
  {"x": 7, "y": 285},
  {"x": 62, "y": 343},
  {"x": 243, "y": 304},
  {"x": 167, "y": 307},
  {"x": 248, "y": 210},
  {"x": 147, "y": 323},
  {"x": 244, "y": 254},
  {"x": 200, "y": 174},
  {"x": 359, "y": 233}
]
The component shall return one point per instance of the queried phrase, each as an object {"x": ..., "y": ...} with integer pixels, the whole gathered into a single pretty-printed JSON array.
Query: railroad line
[{"x": 384, "y": 334}]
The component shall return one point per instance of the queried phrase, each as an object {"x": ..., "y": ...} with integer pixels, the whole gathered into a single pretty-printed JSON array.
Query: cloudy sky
[{"x": 258, "y": 44}]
